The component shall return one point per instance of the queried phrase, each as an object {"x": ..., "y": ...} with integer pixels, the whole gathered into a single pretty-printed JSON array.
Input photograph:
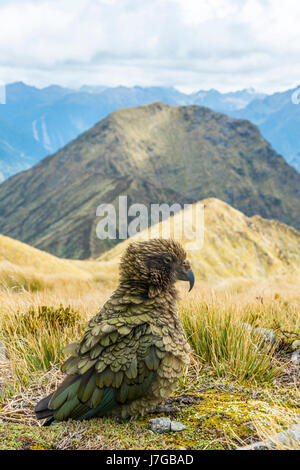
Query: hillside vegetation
[
  {"x": 233, "y": 244},
  {"x": 27, "y": 269},
  {"x": 239, "y": 387},
  {"x": 235, "y": 391},
  {"x": 182, "y": 153}
]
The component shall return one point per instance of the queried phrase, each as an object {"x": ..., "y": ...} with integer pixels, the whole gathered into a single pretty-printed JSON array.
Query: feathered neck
[{"x": 142, "y": 288}]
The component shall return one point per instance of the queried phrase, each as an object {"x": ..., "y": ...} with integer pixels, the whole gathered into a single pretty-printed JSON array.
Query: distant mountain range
[
  {"x": 278, "y": 119},
  {"x": 37, "y": 122},
  {"x": 155, "y": 153}
]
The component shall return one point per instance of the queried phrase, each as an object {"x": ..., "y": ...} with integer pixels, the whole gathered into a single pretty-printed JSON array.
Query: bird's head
[{"x": 157, "y": 263}]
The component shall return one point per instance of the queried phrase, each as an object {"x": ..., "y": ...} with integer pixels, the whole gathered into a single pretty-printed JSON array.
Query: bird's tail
[{"x": 43, "y": 412}]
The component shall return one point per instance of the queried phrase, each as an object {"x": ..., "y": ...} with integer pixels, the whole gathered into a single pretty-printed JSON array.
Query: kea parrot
[{"x": 134, "y": 351}]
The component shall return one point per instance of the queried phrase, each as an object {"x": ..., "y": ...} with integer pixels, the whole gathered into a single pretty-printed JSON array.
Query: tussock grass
[
  {"x": 34, "y": 332},
  {"x": 34, "y": 339},
  {"x": 18, "y": 280},
  {"x": 215, "y": 319},
  {"x": 221, "y": 341},
  {"x": 36, "y": 324},
  {"x": 44, "y": 309}
]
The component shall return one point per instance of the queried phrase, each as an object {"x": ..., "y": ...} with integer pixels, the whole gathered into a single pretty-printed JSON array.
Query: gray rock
[
  {"x": 176, "y": 426},
  {"x": 296, "y": 357},
  {"x": 296, "y": 344},
  {"x": 267, "y": 336},
  {"x": 181, "y": 448},
  {"x": 256, "y": 446},
  {"x": 160, "y": 425},
  {"x": 3, "y": 357},
  {"x": 286, "y": 438}
]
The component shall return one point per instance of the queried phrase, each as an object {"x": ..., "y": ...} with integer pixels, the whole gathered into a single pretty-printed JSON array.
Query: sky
[{"x": 188, "y": 44}]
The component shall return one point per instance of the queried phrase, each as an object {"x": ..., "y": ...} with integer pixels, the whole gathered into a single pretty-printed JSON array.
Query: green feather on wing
[{"x": 115, "y": 364}]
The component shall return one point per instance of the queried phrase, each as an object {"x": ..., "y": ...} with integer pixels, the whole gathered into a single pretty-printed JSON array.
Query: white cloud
[{"x": 191, "y": 44}]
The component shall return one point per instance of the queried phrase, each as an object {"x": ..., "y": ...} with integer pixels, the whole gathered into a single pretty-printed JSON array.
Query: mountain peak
[{"x": 153, "y": 154}]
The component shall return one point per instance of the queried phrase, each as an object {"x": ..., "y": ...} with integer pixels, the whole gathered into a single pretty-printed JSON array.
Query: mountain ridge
[
  {"x": 234, "y": 245},
  {"x": 278, "y": 119},
  {"x": 51, "y": 117},
  {"x": 184, "y": 154}
]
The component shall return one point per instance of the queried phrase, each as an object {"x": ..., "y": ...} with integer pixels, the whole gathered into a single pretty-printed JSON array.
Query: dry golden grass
[
  {"x": 36, "y": 323},
  {"x": 270, "y": 303},
  {"x": 32, "y": 304},
  {"x": 231, "y": 244},
  {"x": 43, "y": 308},
  {"x": 212, "y": 316},
  {"x": 247, "y": 272}
]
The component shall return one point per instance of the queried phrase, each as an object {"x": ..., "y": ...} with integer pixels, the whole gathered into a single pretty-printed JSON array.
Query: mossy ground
[
  {"x": 223, "y": 403},
  {"x": 218, "y": 415}
]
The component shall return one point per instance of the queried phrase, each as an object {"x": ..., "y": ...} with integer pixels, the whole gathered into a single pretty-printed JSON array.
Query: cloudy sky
[{"x": 189, "y": 44}]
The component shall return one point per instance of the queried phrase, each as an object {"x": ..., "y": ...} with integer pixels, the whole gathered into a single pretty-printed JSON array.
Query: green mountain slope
[{"x": 154, "y": 154}]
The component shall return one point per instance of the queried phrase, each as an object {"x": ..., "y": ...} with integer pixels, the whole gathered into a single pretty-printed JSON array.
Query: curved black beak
[{"x": 188, "y": 276}]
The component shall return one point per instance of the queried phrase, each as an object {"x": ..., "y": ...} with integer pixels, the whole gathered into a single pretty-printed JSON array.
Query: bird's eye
[{"x": 168, "y": 259}]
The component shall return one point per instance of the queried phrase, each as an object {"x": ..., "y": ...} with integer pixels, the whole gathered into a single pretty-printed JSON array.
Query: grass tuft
[
  {"x": 34, "y": 339},
  {"x": 223, "y": 342}
]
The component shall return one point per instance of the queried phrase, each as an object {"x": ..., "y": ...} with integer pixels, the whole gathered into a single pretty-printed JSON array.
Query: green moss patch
[{"x": 215, "y": 419}]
